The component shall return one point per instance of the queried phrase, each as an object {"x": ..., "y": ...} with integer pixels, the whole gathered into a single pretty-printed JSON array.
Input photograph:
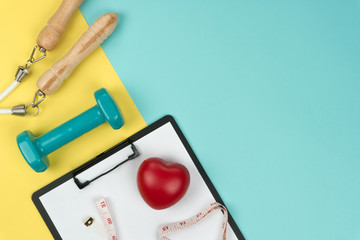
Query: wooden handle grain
[
  {"x": 51, "y": 80},
  {"x": 50, "y": 35}
]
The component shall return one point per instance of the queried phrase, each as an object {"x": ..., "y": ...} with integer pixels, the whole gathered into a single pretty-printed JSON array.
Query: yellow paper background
[{"x": 21, "y": 21}]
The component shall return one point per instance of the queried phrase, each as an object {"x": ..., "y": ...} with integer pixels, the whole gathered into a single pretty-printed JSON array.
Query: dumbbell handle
[
  {"x": 70, "y": 130},
  {"x": 50, "y": 35},
  {"x": 52, "y": 79}
]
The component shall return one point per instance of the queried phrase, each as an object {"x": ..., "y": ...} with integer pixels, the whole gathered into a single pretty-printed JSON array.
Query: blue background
[{"x": 267, "y": 93}]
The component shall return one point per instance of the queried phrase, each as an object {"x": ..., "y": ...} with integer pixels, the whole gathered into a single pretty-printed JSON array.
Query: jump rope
[{"x": 46, "y": 41}]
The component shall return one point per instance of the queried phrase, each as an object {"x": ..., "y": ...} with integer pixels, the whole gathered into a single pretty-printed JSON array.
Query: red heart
[{"x": 162, "y": 184}]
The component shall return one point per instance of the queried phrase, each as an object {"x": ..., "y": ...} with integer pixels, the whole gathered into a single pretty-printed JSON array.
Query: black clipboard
[{"x": 72, "y": 175}]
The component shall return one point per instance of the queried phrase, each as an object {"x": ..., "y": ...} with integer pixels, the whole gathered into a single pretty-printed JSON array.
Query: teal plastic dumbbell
[{"x": 35, "y": 150}]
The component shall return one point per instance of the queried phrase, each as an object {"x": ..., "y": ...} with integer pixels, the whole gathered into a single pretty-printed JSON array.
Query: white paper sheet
[{"x": 68, "y": 207}]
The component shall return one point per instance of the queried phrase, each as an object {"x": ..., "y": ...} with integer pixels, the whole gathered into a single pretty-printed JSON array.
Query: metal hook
[
  {"x": 35, "y": 103},
  {"x": 38, "y": 93},
  {"x": 32, "y": 60}
]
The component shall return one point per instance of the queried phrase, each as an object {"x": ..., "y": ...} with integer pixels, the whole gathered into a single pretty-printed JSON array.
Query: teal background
[{"x": 267, "y": 93}]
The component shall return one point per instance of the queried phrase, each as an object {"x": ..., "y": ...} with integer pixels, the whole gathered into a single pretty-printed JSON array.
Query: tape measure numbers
[
  {"x": 175, "y": 227},
  {"x": 106, "y": 218},
  {"x": 107, "y": 231}
]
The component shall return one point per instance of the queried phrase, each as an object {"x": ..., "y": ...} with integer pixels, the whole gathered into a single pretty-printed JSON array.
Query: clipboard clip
[{"x": 82, "y": 185}]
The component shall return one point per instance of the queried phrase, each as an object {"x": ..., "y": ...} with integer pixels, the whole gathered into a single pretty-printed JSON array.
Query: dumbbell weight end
[{"x": 35, "y": 150}]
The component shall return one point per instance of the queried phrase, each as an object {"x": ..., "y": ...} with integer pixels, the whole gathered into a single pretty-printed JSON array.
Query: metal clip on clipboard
[{"x": 102, "y": 157}]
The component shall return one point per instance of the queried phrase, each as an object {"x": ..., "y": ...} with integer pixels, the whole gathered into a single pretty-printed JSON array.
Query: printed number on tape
[{"x": 175, "y": 227}]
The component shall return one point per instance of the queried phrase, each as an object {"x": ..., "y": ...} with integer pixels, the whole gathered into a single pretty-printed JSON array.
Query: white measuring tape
[
  {"x": 108, "y": 222},
  {"x": 175, "y": 227},
  {"x": 108, "y": 230}
]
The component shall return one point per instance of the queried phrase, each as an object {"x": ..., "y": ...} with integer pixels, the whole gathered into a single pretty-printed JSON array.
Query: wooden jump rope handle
[
  {"x": 50, "y": 35},
  {"x": 51, "y": 80}
]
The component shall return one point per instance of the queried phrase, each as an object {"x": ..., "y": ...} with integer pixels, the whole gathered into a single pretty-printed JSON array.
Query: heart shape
[{"x": 162, "y": 184}]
